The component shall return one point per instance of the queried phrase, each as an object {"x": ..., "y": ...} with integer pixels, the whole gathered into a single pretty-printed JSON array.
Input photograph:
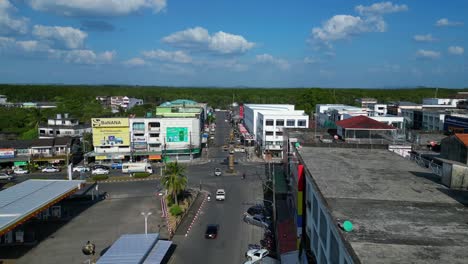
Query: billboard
[
  {"x": 111, "y": 136},
  {"x": 109, "y": 122},
  {"x": 7, "y": 153},
  {"x": 177, "y": 134},
  {"x": 241, "y": 111}
]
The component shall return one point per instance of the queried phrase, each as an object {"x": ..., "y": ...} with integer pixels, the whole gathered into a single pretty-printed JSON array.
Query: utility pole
[{"x": 146, "y": 215}]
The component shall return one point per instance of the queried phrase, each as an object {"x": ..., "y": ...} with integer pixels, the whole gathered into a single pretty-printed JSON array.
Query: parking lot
[{"x": 101, "y": 223}]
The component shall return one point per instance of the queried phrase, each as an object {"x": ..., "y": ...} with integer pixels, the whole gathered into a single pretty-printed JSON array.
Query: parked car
[
  {"x": 218, "y": 172},
  {"x": 116, "y": 166},
  {"x": 220, "y": 195},
  {"x": 20, "y": 171},
  {"x": 81, "y": 168},
  {"x": 258, "y": 209},
  {"x": 256, "y": 220},
  {"x": 254, "y": 255},
  {"x": 50, "y": 169},
  {"x": 100, "y": 171},
  {"x": 4, "y": 176},
  {"x": 98, "y": 166},
  {"x": 211, "y": 231}
]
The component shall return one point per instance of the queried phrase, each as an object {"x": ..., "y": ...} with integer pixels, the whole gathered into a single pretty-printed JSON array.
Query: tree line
[{"x": 80, "y": 100}]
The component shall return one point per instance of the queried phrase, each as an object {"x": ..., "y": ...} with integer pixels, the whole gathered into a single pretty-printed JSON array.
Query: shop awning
[{"x": 154, "y": 157}]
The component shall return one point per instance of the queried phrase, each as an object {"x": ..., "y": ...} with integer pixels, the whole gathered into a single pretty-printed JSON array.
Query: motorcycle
[{"x": 209, "y": 197}]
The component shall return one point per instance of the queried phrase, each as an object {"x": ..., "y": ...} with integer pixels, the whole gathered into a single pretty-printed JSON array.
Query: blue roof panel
[{"x": 129, "y": 249}]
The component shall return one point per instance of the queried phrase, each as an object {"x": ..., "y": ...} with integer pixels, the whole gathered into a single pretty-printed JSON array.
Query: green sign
[
  {"x": 177, "y": 134},
  {"x": 20, "y": 163}
]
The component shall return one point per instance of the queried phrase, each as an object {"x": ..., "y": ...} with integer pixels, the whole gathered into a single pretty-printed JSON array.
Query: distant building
[
  {"x": 3, "y": 99},
  {"x": 119, "y": 102},
  {"x": 456, "y": 123},
  {"x": 396, "y": 108},
  {"x": 63, "y": 126},
  {"x": 376, "y": 109},
  {"x": 365, "y": 102},
  {"x": 365, "y": 129}
]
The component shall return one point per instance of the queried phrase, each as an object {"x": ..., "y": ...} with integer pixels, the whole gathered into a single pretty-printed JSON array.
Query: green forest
[{"x": 80, "y": 100}]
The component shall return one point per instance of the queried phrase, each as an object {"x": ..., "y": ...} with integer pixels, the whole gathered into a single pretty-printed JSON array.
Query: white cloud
[
  {"x": 83, "y": 56},
  {"x": 11, "y": 45},
  {"x": 96, "y": 7},
  {"x": 380, "y": 8},
  {"x": 456, "y": 50},
  {"x": 427, "y": 54},
  {"x": 199, "y": 39},
  {"x": 168, "y": 56},
  {"x": 309, "y": 60},
  {"x": 135, "y": 62},
  {"x": 424, "y": 38},
  {"x": 341, "y": 27},
  {"x": 67, "y": 37},
  {"x": 444, "y": 22},
  {"x": 268, "y": 59},
  {"x": 8, "y": 24}
]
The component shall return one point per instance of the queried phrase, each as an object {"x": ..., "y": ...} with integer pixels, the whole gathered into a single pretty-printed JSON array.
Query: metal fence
[{"x": 427, "y": 163}]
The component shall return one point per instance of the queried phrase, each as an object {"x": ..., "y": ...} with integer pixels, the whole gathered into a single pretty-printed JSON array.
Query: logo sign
[
  {"x": 109, "y": 122},
  {"x": 177, "y": 134},
  {"x": 7, "y": 153}
]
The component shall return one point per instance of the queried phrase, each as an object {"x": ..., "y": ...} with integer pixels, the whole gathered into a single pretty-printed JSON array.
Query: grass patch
[
  {"x": 175, "y": 210},
  {"x": 139, "y": 175},
  {"x": 100, "y": 177}
]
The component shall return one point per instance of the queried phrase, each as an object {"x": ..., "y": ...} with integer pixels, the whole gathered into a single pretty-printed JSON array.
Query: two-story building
[{"x": 63, "y": 126}]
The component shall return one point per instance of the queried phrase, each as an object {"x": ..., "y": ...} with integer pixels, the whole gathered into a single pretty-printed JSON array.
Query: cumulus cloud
[
  {"x": 11, "y": 45},
  {"x": 268, "y": 59},
  {"x": 199, "y": 39},
  {"x": 96, "y": 7},
  {"x": 135, "y": 62},
  {"x": 9, "y": 24},
  {"x": 168, "y": 56},
  {"x": 427, "y": 54},
  {"x": 380, "y": 8},
  {"x": 67, "y": 37},
  {"x": 456, "y": 50},
  {"x": 444, "y": 22},
  {"x": 83, "y": 56},
  {"x": 341, "y": 27},
  {"x": 424, "y": 38}
]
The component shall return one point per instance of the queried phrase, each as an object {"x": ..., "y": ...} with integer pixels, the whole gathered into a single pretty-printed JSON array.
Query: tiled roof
[
  {"x": 463, "y": 138},
  {"x": 363, "y": 122}
]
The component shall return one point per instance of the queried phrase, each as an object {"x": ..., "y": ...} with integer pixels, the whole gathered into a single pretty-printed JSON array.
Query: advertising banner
[
  {"x": 109, "y": 122},
  {"x": 241, "y": 111},
  {"x": 177, "y": 134},
  {"x": 7, "y": 153},
  {"x": 140, "y": 145},
  {"x": 109, "y": 136}
]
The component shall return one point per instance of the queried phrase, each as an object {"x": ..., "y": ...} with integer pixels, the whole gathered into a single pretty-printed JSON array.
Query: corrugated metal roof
[
  {"x": 129, "y": 249},
  {"x": 159, "y": 251},
  {"x": 21, "y": 200},
  {"x": 363, "y": 122}
]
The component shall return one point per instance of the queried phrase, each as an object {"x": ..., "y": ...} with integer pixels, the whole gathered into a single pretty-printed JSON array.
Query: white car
[
  {"x": 220, "y": 195},
  {"x": 81, "y": 169},
  {"x": 20, "y": 171},
  {"x": 4, "y": 176},
  {"x": 100, "y": 171},
  {"x": 50, "y": 169},
  {"x": 218, "y": 172},
  {"x": 255, "y": 255}
]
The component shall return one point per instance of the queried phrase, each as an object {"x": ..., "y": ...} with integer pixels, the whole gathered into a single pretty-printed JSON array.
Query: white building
[
  {"x": 441, "y": 101},
  {"x": 365, "y": 102},
  {"x": 433, "y": 120},
  {"x": 3, "y": 99},
  {"x": 376, "y": 110},
  {"x": 266, "y": 122},
  {"x": 396, "y": 121},
  {"x": 328, "y": 114},
  {"x": 63, "y": 126}
]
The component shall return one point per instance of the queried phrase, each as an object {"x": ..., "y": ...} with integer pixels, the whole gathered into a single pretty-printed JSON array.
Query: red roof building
[{"x": 363, "y": 128}]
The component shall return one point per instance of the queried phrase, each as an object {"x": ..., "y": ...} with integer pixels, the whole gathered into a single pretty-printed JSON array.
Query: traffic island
[{"x": 181, "y": 223}]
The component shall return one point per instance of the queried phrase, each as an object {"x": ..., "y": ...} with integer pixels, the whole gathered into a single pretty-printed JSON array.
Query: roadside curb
[{"x": 127, "y": 180}]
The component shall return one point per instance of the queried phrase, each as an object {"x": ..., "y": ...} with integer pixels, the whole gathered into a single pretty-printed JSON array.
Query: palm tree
[{"x": 174, "y": 179}]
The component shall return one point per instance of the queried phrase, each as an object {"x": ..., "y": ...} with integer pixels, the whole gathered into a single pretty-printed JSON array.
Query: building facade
[{"x": 63, "y": 126}]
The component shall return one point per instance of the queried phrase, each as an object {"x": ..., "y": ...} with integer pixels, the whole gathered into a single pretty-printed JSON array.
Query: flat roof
[
  {"x": 400, "y": 211},
  {"x": 136, "y": 248},
  {"x": 18, "y": 203}
]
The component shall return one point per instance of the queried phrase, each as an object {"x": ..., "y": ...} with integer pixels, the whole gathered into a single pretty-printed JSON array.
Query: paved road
[{"x": 234, "y": 234}]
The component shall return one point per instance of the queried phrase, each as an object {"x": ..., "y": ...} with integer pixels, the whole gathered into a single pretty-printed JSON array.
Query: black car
[{"x": 211, "y": 231}]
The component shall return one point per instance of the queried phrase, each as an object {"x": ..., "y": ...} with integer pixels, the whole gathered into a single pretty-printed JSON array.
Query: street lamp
[{"x": 146, "y": 215}]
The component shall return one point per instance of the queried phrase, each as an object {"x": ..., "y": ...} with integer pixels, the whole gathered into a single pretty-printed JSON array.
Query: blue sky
[{"x": 364, "y": 44}]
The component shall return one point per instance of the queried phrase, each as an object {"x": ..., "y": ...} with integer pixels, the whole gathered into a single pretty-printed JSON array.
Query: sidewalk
[{"x": 192, "y": 212}]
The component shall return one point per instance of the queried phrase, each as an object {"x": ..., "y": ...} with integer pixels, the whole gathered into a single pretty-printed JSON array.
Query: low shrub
[
  {"x": 140, "y": 175},
  {"x": 100, "y": 177},
  {"x": 175, "y": 210}
]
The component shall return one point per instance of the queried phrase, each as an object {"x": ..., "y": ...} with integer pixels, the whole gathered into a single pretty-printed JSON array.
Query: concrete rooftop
[{"x": 401, "y": 213}]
